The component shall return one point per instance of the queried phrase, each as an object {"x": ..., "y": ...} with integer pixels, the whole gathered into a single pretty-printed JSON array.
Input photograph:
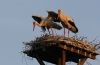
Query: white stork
[
  {"x": 67, "y": 22},
  {"x": 38, "y": 19},
  {"x": 48, "y": 22}
]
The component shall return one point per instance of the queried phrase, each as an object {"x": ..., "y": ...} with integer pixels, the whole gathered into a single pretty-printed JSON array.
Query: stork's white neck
[
  {"x": 49, "y": 18},
  {"x": 59, "y": 14},
  {"x": 41, "y": 24}
]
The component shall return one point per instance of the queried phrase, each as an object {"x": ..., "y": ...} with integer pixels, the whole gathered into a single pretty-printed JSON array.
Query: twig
[
  {"x": 88, "y": 63},
  {"x": 94, "y": 39}
]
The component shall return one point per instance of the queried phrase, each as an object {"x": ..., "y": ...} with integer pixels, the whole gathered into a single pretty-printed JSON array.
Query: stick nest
[{"x": 47, "y": 40}]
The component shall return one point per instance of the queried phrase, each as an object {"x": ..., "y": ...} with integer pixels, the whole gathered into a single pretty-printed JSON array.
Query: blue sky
[{"x": 16, "y": 25}]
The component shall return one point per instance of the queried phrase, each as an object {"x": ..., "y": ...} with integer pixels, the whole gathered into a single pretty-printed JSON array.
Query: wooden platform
[
  {"x": 53, "y": 53},
  {"x": 59, "y": 51}
]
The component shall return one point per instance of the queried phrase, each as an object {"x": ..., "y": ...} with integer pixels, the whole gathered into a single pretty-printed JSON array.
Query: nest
[{"x": 47, "y": 40}]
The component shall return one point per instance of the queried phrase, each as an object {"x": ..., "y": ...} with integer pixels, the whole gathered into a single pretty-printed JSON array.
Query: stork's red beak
[{"x": 34, "y": 26}]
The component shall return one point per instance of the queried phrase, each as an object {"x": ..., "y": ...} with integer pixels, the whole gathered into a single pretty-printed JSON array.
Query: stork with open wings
[{"x": 48, "y": 22}]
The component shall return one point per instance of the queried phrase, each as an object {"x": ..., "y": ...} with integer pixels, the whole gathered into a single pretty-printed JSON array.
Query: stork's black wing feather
[
  {"x": 54, "y": 16},
  {"x": 43, "y": 28},
  {"x": 37, "y": 18},
  {"x": 73, "y": 24}
]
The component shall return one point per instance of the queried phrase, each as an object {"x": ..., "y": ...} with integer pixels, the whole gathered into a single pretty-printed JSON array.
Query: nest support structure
[{"x": 59, "y": 50}]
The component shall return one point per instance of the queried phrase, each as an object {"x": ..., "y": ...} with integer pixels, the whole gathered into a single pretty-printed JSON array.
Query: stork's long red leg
[
  {"x": 64, "y": 31},
  {"x": 52, "y": 32},
  {"x": 68, "y": 32},
  {"x": 49, "y": 31}
]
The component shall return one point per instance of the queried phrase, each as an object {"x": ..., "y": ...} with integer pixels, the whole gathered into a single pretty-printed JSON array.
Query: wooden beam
[
  {"x": 39, "y": 60},
  {"x": 59, "y": 61},
  {"x": 78, "y": 51},
  {"x": 81, "y": 62},
  {"x": 63, "y": 57}
]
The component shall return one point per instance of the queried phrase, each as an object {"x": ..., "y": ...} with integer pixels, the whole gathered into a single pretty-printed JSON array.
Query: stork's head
[
  {"x": 59, "y": 12},
  {"x": 34, "y": 24}
]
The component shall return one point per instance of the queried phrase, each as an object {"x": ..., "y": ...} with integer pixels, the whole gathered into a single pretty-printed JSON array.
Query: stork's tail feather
[{"x": 74, "y": 29}]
